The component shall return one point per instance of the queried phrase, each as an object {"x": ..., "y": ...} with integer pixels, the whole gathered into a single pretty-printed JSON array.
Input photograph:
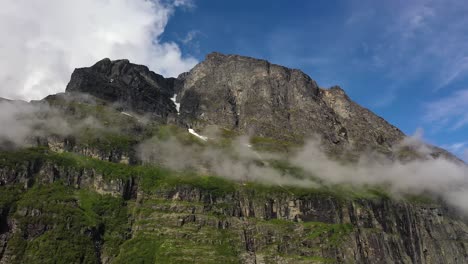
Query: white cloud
[
  {"x": 192, "y": 34},
  {"x": 450, "y": 111},
  {"x": 184, "y": 3},
  {"x": 418, "y": 17},
  {"x": 455, "y": 70},
  {"x": 43, "y": 41},
  {"x": 455, "y": 147},
  {"x": 416, "y": 39}
]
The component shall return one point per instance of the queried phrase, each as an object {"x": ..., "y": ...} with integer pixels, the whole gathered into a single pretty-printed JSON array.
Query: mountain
[
  {"x": 269, "y": 100},
  {"x": 135, "y": 87},
  {"x": 246, "y": 95},
  {"x": 127, "y": 166}
]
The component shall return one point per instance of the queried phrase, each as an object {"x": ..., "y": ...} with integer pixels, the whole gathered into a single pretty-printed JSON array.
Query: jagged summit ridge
[
  {"x": 243, "y": 94},
  {"x": 258, "y": 97},
  {"x": 132, "y": 86}
]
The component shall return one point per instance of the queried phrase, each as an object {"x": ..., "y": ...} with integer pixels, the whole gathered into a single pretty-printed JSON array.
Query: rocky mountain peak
[
  {"x": 133, "y": 87},
  {"x": 255, "y": 96},
  {"x": 243, "y": 94}
]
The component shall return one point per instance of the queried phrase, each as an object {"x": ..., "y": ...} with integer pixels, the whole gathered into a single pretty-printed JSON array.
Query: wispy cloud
[
  {"x": 45, "y": 40},
  {"x": 456, "y": 147},
  {"x": 191, "y": 35},
  {"x": 386, "y": 98},
  {"x": 397, "y": 42},
  {"x": 186, "y": 3},
  {"x": 414, "y": 39},
  {"x": 449, "y": 112},
  {"x": 457, "y": 69}
]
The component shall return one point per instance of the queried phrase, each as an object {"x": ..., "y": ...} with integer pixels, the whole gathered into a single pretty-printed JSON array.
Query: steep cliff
[
  {"x": 83, "y": 192},
  {"x": 269, "y": 100},
  {"x": 173, "y": 218}
]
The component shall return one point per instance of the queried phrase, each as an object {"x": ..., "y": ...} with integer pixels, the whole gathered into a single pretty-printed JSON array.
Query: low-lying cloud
[
  {"x": 21, "y": 122},
  {"x": 241, "y": 163},
  {"x": 43, "y": 41},
  {"x": 440, "y": 177}
]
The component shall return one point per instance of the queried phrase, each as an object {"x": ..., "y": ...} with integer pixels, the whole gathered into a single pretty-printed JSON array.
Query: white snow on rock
[
  {"x": 127, "y": 114},
  {"x": 177, "y": 105},
  {"x": 191, "y": 131}
]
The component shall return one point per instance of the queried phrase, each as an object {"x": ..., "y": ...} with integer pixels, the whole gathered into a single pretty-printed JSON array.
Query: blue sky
[{"x": 405, "y": 60}]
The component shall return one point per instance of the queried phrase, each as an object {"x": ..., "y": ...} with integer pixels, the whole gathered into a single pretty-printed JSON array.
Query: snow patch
[
  {"x": 177, "y": 105},
  {"x": 191, "y": 131},
  {"x": 127, "y": 114}
]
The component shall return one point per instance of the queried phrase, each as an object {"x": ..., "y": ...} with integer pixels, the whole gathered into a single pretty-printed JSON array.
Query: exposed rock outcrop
[
  {"x": 255, "y": 96},
  {"x": 283, "y": 228},
  {"x": 244, "y": 94},
  {"x": 133, "y": 87}
]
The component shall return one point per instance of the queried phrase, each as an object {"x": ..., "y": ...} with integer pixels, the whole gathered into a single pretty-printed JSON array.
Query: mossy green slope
[{"x": 181, "y": 217}]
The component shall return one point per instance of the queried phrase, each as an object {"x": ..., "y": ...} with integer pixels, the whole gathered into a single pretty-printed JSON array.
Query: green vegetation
[
  {"x": 80, "y": 225},
  {"x": 422, "y": 199},
  {"x": 287, "y": 168},
  {"x": 273, "y": 145},
  {"x": 407, "y": 153},
  {"x": 17, "y": 159},
  {"x": 151, "y": 178},
  {"x": 9, "y": 195},
  {"x": 311, "y": 259},
  {"x": 109, "y": 215},
  {"x": 154, "y": 178},
  {"x": 207, "y": 245},
  {"x": 140, "y": 249},
  {"x": 59, "y": 224},
  {"x": 105, "y": 140},
  {"x": 51, "y": 225},
  {"x": 330, "y": 234},
  {"x": 165, "y": 132}
]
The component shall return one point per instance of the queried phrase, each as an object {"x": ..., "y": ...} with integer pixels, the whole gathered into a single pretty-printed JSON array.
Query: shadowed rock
[{"x": 133, "y": 87}]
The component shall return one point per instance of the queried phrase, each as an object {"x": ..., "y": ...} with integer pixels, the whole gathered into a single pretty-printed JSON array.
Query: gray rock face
[
  {"x": 247, "y": 95},
  {"x": 132, "y": 86},
  {"x": 254, "y": 96},
  {"x": 383, "y": 231}
]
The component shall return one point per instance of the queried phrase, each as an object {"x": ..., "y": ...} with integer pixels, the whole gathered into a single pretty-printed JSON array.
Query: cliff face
[
  {"x": 212, "y": 223},
  {"x": 88, "y": 196},
  {"x": 246, "y": 95},
  {"x": 255, "y": 96},
  {"x": 284, "y": 228}
]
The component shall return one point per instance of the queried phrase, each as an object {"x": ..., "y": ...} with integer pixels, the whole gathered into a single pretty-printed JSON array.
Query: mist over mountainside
[
  {"x": 247, "y": 95},
  {"x": 238, "y": 160}
]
